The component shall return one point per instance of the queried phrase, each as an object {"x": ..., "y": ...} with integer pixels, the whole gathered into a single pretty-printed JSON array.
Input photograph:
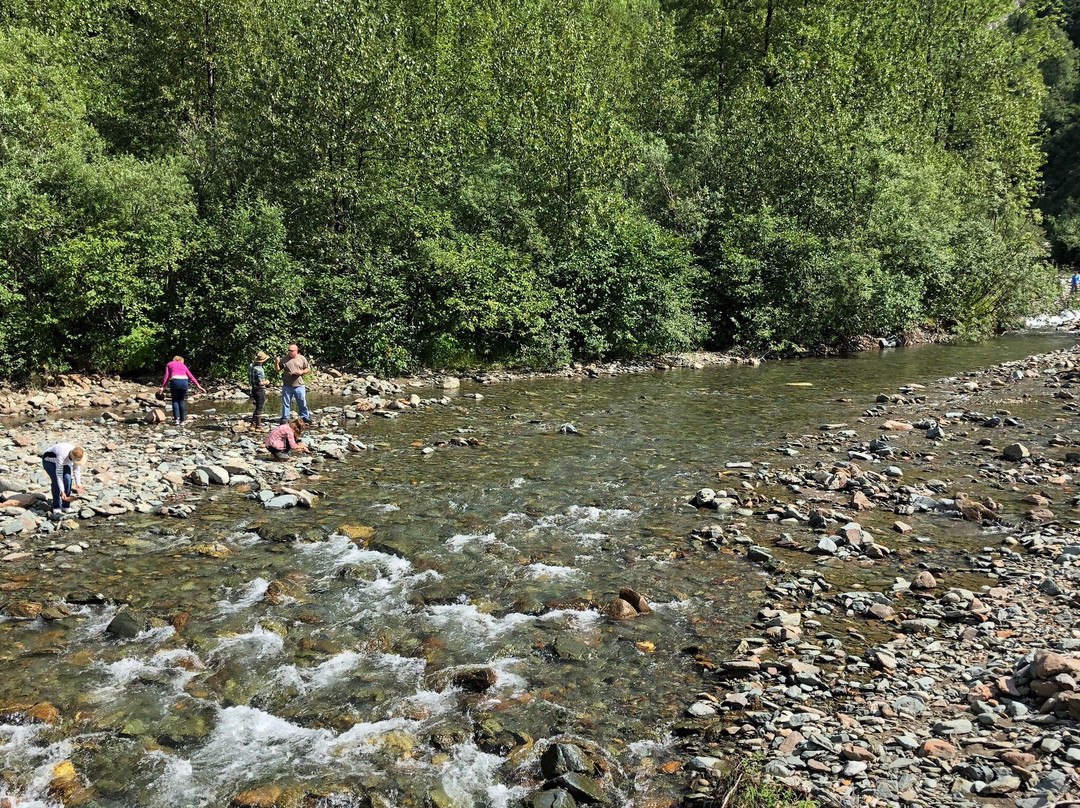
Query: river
[{"x": 332, "y": 680}]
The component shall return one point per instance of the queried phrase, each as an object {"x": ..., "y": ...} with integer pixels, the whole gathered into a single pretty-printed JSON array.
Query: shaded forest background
[{"x": 451, "y": 182}]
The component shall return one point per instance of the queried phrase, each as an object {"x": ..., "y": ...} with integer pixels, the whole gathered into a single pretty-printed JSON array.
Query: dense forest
[{"x": 451, "y": 182}]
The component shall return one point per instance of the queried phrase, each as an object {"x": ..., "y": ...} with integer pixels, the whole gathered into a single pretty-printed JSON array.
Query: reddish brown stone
[
  {"x": 1017, "y": 759},
  {"x": 937, "y": 748}
]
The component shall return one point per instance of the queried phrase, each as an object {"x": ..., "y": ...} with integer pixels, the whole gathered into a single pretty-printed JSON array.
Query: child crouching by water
[
  {"x": 284, "y": 438},
  {"x": 63, "y": 463}
]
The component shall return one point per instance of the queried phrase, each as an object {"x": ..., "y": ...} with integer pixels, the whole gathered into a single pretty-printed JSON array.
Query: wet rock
[
  {"x": 282, "y": 501},
  {"x": 125, "y": 625},
  {"x": 83, "y": 597},
  {"x": 55, "y": 610},
  {"x": 568, "y": 648},
  {"x": 282, "y": 590},
  {"x": 635, "y": 599},
  {"x": 701, "y": 709},
  {"x": 44, "y": 713},
  {"x": 759, "y": 555},
  {"x": 551, "y": 798},
  {"x": 619, "y": 609},
  {"x": 24, "y": 609},
  {"x": 474, "y": 680},
  {"x": 923, "y": 581},
  {"x": 359, "y": 534},
  {"x": 580, "y": 787},
  {"x": 740, "y": 667},
  {"x": 261, "y": 797},
  {"x": 704, "y": 498},
  {"x": 560, "y": 758}
]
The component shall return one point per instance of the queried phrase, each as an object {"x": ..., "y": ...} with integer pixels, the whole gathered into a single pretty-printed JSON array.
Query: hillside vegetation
[{"x": 441, "y": 182}]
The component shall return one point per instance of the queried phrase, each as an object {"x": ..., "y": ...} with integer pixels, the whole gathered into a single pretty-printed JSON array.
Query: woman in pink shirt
[
  {"x": 176, "y": 377},
  {"x": 284, "y": 437}
]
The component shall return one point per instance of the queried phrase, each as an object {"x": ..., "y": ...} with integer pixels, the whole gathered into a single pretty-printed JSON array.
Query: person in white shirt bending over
[{"x": 63, "y": 463}]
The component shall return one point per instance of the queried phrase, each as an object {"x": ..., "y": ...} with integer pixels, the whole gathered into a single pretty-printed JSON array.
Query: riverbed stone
[
  {"x": 1016, "y": 452},
  {"x": 619, "y": 609},
  {"x": 582, "y": 788},
  {"x": 282, "y": 501},
  {"x": 125, "y": 625},
  {"x": 923, "y": 581},
  {"x": 474, "y": 679},
  {"x": 758, "y": 555},
  {"x": 550, "y": 798},
  {"x": 262, "y": 797},
  {"x": 635, "y": 599},
  {"x": 560, "y": 758},
  {"x": 24, "y": 609}
]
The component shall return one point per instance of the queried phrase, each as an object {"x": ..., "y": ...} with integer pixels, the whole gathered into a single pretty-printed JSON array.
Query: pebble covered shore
[{"x": 922, "y": 692}]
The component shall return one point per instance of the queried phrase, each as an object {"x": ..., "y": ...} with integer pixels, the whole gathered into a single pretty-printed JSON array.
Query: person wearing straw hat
[
  {"x": 63, "y": 463},
  {"x": 258, "y": 381}
]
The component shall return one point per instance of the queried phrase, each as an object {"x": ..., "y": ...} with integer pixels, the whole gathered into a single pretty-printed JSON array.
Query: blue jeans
[
  {"x": 55, "y": 473},
  {"x": 287, "y": 392},
  {"x": 178, "y": 388}
]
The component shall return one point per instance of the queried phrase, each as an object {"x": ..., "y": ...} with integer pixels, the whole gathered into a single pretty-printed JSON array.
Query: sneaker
[
  {"x": 56, "y": 511},
  {"x": 67, "y": 509},
  {"x": 176, "y": 422}
]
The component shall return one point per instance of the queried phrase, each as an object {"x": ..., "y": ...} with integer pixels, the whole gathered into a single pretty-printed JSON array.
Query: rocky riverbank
[
  {"x": 138, "y": 464},
  {"x": 958, "y": 680},
  {"x": 76, "y": 391}
]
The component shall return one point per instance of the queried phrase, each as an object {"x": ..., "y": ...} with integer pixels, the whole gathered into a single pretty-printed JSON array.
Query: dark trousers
[
  {"x": 178, "y": 389},
  {"x": 58, "y": 477},
  {"x": 259, "y": 396}
]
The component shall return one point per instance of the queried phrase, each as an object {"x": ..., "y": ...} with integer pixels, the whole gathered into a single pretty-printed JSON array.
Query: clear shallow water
[{"x": 492, "y": 555}]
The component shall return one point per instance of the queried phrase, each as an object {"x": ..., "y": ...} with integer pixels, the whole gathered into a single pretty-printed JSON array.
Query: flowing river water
[{"x": 491, "y": 555}]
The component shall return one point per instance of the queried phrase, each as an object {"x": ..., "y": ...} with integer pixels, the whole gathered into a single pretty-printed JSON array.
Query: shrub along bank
[{"x": 453, "y": 182}]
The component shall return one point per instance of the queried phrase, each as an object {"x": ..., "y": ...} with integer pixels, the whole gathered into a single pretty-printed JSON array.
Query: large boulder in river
[
  {"x": 474, "y": 679},
  {"x": 704, "y": 498},
  {"x": 560, "y": 758},
  {"x": 619, "y": 609},
  {"x": 125, "y": 625},
  {"x": 635, "y": 599}
]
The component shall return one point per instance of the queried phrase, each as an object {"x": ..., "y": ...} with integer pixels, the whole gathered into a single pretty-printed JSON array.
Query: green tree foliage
[
  {"x": 1061, "y": 115},
  {"x": 455, "y": 181}
]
